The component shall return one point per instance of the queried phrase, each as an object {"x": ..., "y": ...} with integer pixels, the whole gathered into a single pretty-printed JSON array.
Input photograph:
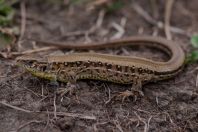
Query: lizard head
[
  {"x": 32, "y": 64},
  {"x": 37, "y": 66},
  {"x": 29, "y": 61}
]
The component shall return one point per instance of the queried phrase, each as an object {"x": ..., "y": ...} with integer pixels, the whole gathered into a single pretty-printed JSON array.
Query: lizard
[{"x": 112, "y": 68}]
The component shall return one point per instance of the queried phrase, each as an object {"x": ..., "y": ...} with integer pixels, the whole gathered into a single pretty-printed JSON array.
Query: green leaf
[
  {"x": 6, "y": 13},
  {"x": 74, "y": 2},
  {"x": 2, "y": 1},
  {"x": 115, "y": 6},
  {"x": 194, "y": 41},
  {"x": 192, "y": 57}
]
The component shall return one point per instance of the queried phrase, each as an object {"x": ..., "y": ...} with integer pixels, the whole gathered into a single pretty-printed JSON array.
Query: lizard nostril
[{"x": 44, "y": 68}]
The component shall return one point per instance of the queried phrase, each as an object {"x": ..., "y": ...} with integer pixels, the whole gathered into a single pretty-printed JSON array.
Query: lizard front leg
[{"x": 70, "y": 78}]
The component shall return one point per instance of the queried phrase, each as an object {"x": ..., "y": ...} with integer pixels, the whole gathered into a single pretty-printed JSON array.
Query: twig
[
  {"x": 168, "y": 10},
  {"x": 144, "y": 14},
  {"x": 100, "y": 18},
  {"x": 196, "y": 81},
  {"x": 55, "y": 115},
  {"x": 120, "y": 31},
  {"x": 34, "y": 50},
  {"x": 15, "y": 107},
  {"x": 143, "y": 111},
  {"x": 109, "y": 95},
  {"x": 119, "y": 28},
  {"x": 91, "y": 30},
  {"x": 171, "y": 121},
  {"x": 117, "y": 124},
  {"x": 97, "y": 25},
  {"x": 69, "y": 34},
  {"x": 11, "y": 54},
  {"x": 48, "y": 120},
  {"x": 145, "y": 125},
  {"x": 157, "y": 100},
  {"x": 25, "y": 124},
  {"x": 148, "y": 123},
  {"x": 23, "y": 24},
  {"x": 74, "y": 115}
]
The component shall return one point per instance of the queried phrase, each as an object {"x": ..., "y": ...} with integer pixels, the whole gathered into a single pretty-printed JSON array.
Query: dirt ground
[{"x": 30, "y": 104}]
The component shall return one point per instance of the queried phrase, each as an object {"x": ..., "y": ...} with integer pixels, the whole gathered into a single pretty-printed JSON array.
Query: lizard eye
[{"x": 31, "y": 63}]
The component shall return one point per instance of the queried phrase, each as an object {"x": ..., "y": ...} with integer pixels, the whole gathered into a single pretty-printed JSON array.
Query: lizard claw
[
  {"x": 128, "y": 93},
  {"x": 125, "y": 94},
  {"x": 70, "y": 89}
]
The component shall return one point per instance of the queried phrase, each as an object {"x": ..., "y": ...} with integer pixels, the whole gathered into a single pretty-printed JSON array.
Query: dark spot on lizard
[
  {"x": 100, "y": 64},
  {"x": 126, "y": 69},
  {"x": 108, "y": 66},
  {"x": 65, "y": 63},
  {"x": 127, "y": 75},
  {"x": 78, "y": 63},
  {"x": 87, "y": 64},
  {"x": 132, "y": 69},
  {"x": 118, "y": 68},
  {"x": 140, "y": 70}
]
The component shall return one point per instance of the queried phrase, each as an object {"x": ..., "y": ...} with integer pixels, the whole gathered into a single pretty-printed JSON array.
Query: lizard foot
[
  {"x": 70, "y": 89},
  {"x": 127, "y": 94}
]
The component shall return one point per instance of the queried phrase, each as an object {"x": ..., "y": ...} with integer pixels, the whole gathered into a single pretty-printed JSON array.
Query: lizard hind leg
[
  {"x": 69, "y": 89},
  {"x": 136, "y": 91}
]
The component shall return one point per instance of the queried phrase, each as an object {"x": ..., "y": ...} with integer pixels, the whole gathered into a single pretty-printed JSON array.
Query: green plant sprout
[{"x": 6, "y": 13}]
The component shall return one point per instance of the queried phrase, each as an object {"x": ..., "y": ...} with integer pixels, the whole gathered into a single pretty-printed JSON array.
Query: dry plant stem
[
  {"x": 109, "y": 95},
  {"x": 145, "y": 124},
  {"x": 23, "y": 24},
  {"x": 196, "y": 81},
  {"x": 119, "y": 28},
  {"x": 74, "y": 115},
  {"x": 15, "y": 107},
  {"x": 97, "y": 26},
  {"x": 48, "y": 121},
  {"x": 34, "y": 50},
  {"x": 148, "y": 123},
  {"x": 152, "y": 21},
  {"x": 168, "y": 11},
  {"x": 55, "y": 109},
  {"x": 28, "y": 123},
  {"x": 117, "y": 124}
]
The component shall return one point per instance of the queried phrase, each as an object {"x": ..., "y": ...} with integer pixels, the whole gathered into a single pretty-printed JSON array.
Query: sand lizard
[{"x": 113, "y": 68}]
